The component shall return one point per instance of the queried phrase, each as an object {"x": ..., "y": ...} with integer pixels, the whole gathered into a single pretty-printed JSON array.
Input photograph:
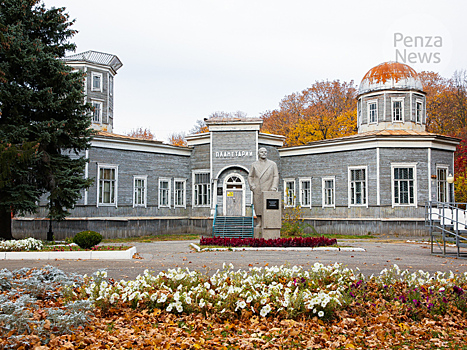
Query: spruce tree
[{"x": 44, "y": 124}]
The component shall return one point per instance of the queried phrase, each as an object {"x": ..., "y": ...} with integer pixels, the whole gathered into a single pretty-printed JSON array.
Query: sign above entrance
[{"x": 233, "y": 154}]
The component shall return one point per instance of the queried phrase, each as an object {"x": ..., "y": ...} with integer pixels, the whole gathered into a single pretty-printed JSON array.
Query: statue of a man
[{"x": 263, "y": 176}]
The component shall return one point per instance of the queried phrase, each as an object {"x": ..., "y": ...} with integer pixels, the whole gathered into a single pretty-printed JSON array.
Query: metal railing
[{"x": 448, "y": 222}]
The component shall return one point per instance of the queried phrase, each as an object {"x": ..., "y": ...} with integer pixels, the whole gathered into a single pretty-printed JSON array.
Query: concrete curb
[
  {"x": 237, "y": 249},
  {"x": 75, "y": 255}
]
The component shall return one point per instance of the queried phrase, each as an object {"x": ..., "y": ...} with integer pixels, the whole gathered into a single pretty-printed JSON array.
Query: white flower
[
  {"x": 178, "y": 305},
  {"x": 169, "y": 307},
  {"x": 162, "y": 298},
  {"x": 240, "y": 304},
  {"x": 202, "y": 303},
  {"x": 265, "y": 310},
  {"x": 321, "y": 314},
  {"x": 207, "y": 285},
  {"x": 249, "y": 299}
]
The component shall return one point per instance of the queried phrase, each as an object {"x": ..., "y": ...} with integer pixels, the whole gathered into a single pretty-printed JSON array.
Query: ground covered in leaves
[{"x": 326, "y": 307}]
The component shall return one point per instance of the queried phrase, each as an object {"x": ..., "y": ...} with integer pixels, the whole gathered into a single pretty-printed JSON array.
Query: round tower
[{"x": 391, "y": 97}]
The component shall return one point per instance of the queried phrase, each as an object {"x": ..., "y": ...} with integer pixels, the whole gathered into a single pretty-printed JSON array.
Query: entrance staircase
[
  {"x": 232, "y": 226},
  {"x": 448, "y": 228}
]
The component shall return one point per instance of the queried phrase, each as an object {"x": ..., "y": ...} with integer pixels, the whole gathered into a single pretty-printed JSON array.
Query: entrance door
[
  {"x": 234, "y": 202},
  {"x": 234, "y": 195}
]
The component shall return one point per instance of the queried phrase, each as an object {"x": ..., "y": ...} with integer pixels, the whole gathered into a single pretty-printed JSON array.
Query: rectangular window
[
  {"x": 164, "y": 192},
  {"x": 442, "y": 184},
  {"x": 107, "y": 184},
  {"x": 202, "y": 189},
  {"x": 289, "y": 192},
  {"x": 418, "y": 111},
  {"x": 372, "y": 112},
  {"x": 111, "y": 85},
  {"x": 180, "y": 193},
  {"x": 97, "y": 112},
  {"x": 404, "y": 184},
  {"x": 397, "y": 109},
  {"x": 139, "y": 191},
  {"x": 357, "y": 187},
  {"x": 305, "y": 192},
  {"x": 96, "y": 81},
  {"x": 328, "y": 187}
]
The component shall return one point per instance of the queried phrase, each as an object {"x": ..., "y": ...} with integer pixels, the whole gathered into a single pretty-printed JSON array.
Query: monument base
[
  {"x": 257, "y": 232},
  {"x": 271, "y": 233}
]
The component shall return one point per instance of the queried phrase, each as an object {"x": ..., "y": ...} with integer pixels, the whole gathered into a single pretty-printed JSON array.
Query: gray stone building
[{"x": 375, "y": 181}]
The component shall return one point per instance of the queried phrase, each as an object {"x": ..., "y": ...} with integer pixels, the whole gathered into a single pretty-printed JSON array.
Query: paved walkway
[{"x": 158, "y": 256}]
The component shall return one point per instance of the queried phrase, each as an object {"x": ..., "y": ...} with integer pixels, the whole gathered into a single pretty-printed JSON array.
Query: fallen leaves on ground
[{"x": 135, "y": 329}]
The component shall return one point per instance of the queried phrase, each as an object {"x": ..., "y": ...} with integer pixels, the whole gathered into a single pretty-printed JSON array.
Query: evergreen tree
[{"x": 44, "y": 124}]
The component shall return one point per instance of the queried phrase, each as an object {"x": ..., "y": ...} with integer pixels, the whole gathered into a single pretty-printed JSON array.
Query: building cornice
[
  {"x": 372, "y": 142},
  {"x": 147, "y": 146}
]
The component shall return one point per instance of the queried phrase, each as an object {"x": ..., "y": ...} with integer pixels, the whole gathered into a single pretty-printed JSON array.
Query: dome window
[
  {"x": 372, "y": 112},
  {"x": 418, "y": 111},
  {"x": 397, "y": 109}
]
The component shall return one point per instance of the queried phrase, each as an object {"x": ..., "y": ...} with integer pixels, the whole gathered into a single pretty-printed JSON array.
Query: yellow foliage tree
[
  {"x": 325, "y": 110},
  {"x": 178, "y": 139},
  {"x": 141, "y": 133}
]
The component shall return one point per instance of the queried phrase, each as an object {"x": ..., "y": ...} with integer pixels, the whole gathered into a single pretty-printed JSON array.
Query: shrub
[{"x": 87, "y": 239}]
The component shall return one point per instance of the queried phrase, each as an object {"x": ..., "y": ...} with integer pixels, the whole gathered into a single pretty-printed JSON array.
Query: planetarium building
[{"x": 376, "y": 181}]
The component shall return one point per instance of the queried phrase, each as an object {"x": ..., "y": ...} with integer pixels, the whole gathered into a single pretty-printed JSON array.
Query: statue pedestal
[{"x": 272, "y": 215}]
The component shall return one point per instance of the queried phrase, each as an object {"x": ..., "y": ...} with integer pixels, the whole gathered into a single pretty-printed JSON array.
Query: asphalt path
[{"x": 159, "y": 256}]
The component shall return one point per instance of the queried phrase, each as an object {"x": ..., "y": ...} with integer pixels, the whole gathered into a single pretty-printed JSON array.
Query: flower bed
[
  {"x": 74, "y": 247},
  {"x": 327, "y": 304},
  {"x": 260, "y": 242},
  {"x": 21, "y": 245},
  {"x": 32, "y": 244}
]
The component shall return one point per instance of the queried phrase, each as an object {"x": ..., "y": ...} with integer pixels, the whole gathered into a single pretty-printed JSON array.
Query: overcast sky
[{"x": 185, "y": 59}]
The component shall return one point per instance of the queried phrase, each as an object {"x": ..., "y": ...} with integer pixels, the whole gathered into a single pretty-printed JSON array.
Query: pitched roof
[
  {"x": 125, "y": 137},
  {"x": 97, "y": 58}
]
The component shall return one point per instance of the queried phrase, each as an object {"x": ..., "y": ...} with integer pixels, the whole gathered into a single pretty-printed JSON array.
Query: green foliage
[
  {"x": 292, "y": 222},
  {"x": 87, "y": 239},
  {"x": 44, "y": 125}
]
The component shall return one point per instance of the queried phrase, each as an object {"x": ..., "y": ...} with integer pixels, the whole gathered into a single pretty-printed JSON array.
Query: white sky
[{"x": 184, "y": 59}]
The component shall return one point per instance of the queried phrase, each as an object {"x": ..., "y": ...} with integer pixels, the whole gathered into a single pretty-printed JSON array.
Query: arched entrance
[{"x": 234, "y": 195}]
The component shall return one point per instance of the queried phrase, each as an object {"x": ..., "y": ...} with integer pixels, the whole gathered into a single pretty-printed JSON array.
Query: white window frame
[
  {"x": 369, "y": 103},
  {"x": 169, "y": 189},
  {"x": 286, "y": 196},
  {"x": 194, "y": 190},
  {"x": 438, "y": 182},
  {"x": 404, "y": 165},
  {"x": 144, "y": 178},
  {"x": 401, "y": 100},
  {"x": 349, "y": 179},
  {"x": 324, "y": 194},
  {"x": 100, "y": 75},
  {"x": 183, "y": 181},
  {"x": 418, "y": 102},
  {"x": 101, "y": 109},
  {"x": 98, "y": 187},
  {"x": 300, "y": 191},
  {"x": 111, "y": 85}
]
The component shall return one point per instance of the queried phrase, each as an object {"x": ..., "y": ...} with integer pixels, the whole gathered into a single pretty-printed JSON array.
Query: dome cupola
[{"x": 391, "y": 97}]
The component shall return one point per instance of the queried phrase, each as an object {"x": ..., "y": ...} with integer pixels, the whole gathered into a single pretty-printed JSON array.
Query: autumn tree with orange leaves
[
  {"x": 326, "y": 110},
  {"x": 141, "y": 133},
  {"x": 178, "y": 139},
  {"x": 446, "y": 108}
]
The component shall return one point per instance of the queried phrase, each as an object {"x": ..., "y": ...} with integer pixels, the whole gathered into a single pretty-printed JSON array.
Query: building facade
[{"x": 375, "y": 181}]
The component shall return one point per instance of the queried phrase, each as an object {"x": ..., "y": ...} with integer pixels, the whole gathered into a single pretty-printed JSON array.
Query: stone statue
[{"x": 263, "y": 176}]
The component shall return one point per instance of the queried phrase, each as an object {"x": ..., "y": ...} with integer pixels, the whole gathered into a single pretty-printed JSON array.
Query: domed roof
[{"x": 390, "y": 75}]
